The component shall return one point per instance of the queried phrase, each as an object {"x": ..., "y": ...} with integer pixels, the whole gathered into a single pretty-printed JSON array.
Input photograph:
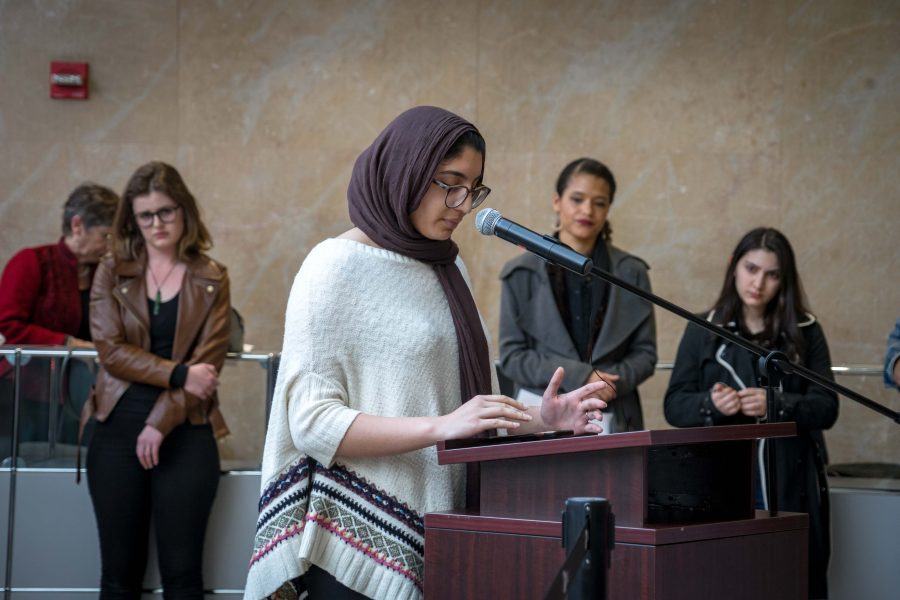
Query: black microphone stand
[
  {"x": 773, "y": 365},
  {"x": 769, "y": 359}
]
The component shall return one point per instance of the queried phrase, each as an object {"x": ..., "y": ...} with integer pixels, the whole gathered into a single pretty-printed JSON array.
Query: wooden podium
[{"x": 683, "y": 500}]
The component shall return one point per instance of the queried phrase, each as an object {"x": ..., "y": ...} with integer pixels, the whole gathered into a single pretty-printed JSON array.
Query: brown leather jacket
[{"x": 120, "y": 327}]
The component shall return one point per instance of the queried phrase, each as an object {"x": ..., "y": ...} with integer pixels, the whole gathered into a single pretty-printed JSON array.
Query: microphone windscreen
[{"x": 486, "y": 220}]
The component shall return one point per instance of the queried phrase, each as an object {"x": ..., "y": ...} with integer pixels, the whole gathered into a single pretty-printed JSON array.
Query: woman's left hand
[
  {"x": 74, "y": 342},
  {"x": 575, "y": 410},
  {"x": 148, "y": 444},
  {"x": 753, "y": 402}
]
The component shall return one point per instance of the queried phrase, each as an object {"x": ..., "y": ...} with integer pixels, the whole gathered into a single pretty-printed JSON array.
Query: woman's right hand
[
  {"x": 481, "y": 414},
  {"x": 725, "y": 399},
  {"x": 148, "y": 444},
  {"x": 202, "y": 380},
  {"x": 596, "y": 376}
]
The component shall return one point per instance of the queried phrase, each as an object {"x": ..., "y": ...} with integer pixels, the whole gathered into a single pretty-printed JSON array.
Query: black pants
[
  {"x": 320, "y": 584},
  {"x": 178, "y": 494}
]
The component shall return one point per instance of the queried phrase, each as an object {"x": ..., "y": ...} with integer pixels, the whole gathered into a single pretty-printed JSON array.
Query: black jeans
[{"x": 178, "y": 493}]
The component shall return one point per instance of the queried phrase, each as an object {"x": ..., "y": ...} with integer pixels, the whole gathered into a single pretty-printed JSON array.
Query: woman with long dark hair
[
  {"x": 550, "y": 316},
  {"x": 160, "y": 320},
  {"x": 714, "y": 382}
]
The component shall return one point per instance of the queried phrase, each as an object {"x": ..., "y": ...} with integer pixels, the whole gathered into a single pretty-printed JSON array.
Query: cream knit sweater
[{"x": 367, "y": 330}]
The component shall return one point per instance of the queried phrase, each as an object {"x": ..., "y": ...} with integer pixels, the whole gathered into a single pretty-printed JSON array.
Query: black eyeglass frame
[
  {"x": 476, "y": 201},
  {"x": 146, "y": 218}
]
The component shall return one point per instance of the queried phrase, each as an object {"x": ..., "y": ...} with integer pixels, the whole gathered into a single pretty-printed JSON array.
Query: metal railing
[
  {"x": 851, "y": 369},
  {"x": 58, "y": 359},
  {"x": 13, "y": 359}
]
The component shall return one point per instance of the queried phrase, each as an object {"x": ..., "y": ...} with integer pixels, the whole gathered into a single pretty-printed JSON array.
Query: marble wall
[{"x": 716, "y": 116}]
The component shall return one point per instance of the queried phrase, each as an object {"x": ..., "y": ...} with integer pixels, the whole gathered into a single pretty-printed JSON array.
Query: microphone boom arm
[
  {"x": 786, "y": 366},
  {"x": 773, "y": 364}
]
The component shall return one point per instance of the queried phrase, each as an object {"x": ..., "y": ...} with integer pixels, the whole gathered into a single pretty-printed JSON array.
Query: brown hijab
[{"x": 389, "y": 180}]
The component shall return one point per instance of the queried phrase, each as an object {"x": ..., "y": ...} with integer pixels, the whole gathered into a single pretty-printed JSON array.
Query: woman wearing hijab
[{"x": 384, "y": 355}]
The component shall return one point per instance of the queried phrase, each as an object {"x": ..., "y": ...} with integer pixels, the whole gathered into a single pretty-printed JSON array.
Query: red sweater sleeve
[{"x": 19, "y": 290}]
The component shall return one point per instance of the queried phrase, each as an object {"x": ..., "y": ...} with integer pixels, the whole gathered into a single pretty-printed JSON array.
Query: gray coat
[{"x": 534, "y": 340}]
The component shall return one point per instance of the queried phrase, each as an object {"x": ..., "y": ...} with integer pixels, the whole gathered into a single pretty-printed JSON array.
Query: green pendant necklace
[{"x": 157, "y": 300}]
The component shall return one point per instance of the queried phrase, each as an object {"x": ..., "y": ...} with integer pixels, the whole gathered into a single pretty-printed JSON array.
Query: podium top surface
[{"x": 481, "y": 449}]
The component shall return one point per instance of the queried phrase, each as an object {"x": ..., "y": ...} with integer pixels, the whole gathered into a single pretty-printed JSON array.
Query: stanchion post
[{"x": 588, "y": 521}]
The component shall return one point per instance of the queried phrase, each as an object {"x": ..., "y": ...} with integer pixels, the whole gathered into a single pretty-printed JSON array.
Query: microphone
[{"x": 489, "y": 222}]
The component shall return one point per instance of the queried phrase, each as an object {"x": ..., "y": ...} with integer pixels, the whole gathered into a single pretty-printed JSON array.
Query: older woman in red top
[
  {"x": 44, "y": 300},
  {"x": 43, "y": 287}
]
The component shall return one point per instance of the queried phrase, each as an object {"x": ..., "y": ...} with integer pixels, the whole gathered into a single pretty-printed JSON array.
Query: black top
[
  {"x": 84, "y": 327},
  {"x": 139, "y": 398},
  {"x": 582, "y": 300},
  {"x": 800, "y": 460}
]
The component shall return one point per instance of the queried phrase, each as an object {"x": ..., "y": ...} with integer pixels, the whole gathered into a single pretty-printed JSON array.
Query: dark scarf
[{"x": 389, "y": 180}]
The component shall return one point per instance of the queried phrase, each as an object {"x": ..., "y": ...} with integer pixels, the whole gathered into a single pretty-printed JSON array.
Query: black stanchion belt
[{"x": 560, "y": 585}]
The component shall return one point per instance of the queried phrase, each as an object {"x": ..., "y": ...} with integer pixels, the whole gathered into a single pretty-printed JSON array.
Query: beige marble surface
[{"x": 716, "y": 116}]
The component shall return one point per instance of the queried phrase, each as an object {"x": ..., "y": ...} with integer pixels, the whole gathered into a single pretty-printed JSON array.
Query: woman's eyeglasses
[
  {"x": 457, "y": 194},
  {"x": 166, "y": 214}
]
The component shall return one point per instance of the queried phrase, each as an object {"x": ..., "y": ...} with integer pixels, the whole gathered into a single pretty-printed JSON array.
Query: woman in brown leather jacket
[{"x": 160, "y": 321}]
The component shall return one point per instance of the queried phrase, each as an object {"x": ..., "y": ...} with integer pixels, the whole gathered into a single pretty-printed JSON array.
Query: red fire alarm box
[{"x": 69, "y": 80}]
